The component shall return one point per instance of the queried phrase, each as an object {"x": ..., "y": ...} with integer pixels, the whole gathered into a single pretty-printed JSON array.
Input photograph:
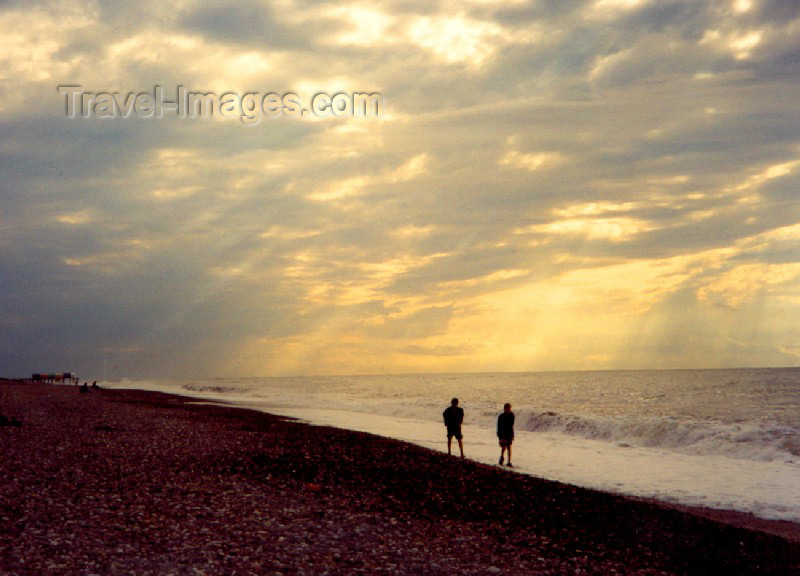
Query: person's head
[
  {"x": 454, "y": 402},
  {"x": 506, "y": 407}
]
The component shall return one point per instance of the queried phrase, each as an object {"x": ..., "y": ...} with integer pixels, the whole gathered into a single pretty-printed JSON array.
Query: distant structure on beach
[{"x": 53, "y": 377}]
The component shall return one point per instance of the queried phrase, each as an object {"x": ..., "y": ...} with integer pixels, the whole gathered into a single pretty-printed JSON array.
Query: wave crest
[{"x": 765, "y": 441}]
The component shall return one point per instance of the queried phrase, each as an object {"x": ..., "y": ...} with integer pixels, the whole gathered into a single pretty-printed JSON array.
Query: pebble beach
[{"x": 129, "y": 482}]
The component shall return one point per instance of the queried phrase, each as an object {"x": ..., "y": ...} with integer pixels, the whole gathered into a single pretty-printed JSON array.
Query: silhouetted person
[
  {"x": 505, "y": 432},
  {"x": 453, "y": 417},
  {"x": 85, "y": 387}
]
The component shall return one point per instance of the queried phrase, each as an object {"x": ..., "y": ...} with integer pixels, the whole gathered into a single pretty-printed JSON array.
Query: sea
[{"x": 725, "y": 439}]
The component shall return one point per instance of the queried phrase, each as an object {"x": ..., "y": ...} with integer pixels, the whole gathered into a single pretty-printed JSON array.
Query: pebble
[{"x": 182, "y": 491}]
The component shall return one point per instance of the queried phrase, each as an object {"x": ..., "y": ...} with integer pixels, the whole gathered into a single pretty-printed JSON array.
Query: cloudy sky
[{"x": 549, "y": 186}]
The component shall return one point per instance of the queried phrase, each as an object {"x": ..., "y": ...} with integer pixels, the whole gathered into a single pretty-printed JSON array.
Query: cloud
[
  {"x": 241, "y": 22},
  {"x": 747, "y": 281},
  {"x": 553, "y": 185}
]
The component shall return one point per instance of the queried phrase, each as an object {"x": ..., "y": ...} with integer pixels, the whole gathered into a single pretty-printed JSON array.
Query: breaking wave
[{"x": 763, "y": 441}]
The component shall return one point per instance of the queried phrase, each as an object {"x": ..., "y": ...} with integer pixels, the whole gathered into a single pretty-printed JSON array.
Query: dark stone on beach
[{"x": 5, "y": 421}]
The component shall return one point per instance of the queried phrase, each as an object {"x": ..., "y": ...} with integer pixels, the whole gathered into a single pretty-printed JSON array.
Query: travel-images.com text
[{"x": 250, "y": 107}]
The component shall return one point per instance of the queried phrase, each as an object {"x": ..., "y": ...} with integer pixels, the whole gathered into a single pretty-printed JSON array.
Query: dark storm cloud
[{"x": 241, "y": 22}]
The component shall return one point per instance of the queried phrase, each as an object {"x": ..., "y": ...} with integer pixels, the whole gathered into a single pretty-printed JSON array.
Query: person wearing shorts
[
  {"x": 505, "y": 432},
  {"x": 453, "y": 418}
]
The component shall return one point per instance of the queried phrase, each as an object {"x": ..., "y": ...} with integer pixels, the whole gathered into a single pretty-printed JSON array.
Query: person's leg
[
  {"x": 509, "y": 454},
  {"x": 449, "y": 444},
  {"x": 502, "y": 453},
  {"x": 461, "y": 446}
]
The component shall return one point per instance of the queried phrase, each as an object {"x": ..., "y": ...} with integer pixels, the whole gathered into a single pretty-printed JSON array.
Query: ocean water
[{"x": 727, "y": 439}]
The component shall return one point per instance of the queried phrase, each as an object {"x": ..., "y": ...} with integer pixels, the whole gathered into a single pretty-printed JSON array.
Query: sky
[{"x": 543, "y": 185}]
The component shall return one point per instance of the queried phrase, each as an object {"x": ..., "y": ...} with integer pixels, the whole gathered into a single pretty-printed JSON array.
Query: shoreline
[
  {"x": 783, "y": 528},
  {"x": 127, "y": 481}
]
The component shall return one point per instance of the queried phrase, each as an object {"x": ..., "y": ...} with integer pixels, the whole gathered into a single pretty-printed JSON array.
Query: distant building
[{"x": 52, "y": 377}]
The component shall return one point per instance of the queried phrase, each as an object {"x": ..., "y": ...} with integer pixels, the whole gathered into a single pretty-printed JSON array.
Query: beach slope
[{"x": 130, "y": 482}]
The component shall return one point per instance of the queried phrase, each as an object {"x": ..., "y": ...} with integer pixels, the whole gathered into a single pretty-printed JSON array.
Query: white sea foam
[{"x": 722, "y": 438}]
